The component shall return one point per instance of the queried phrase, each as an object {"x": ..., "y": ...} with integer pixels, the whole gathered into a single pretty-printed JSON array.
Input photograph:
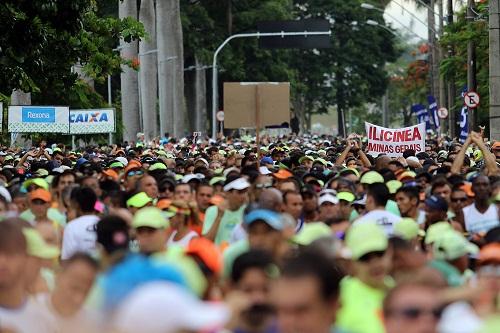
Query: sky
[{"x": 394, "y": 13}]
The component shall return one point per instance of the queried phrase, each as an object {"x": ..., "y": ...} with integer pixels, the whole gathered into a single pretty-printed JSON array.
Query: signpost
[
  {"x": 471, "y": 99},
  {"x": 220, "y": 118},
  {"x": 442, "y": 113}
]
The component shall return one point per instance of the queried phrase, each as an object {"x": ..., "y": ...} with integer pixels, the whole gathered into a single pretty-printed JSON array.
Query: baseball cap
[
  {"x": 496, "y": 145},
  {"x": 283, "y": 174},
  {"x": 306, "y": 157},
  {"x": 490, "y": 253},
  {"x": 328, "y": 198},
  {"x": 158, "y": 166},
  {"x": 266, "y": 160},
  {"x": 139, "y": 200},
  {"x": 122, "y": 160},
  {"x": 406, "y": 175},
  {"x": 5, "y": 194},
  {"x": 346, "y": 196},
  {"x": 393, "y": 186},
  {"x": 196, "y": 176},
  {"x": 408, "y": 229},
  {"x": 207, "y": 251},
  {"x": 310, "y": 232},
  {"x": 161, "y": 306},
  {"x": 37, "y": 247},
  {"x": 264, "y": 171},
  {"x": 216, "y": 180},
  {"x": 435, "y": 230},
  {"x": 269, "y": 217},
  {"x": 452, "y": 245},
  {"x": 111, "y": 173},
  {"x": 371, "y": 177},
  {"x": 118, "y": 165},
  {"x": 365, "y": 238},
  {"x": 467, "y": 188},
  {"x": 40, "y": 194},
  {"x": 237, "y": 184},
  {"x": 149, "y": 217},
  {"x": 436, "y": 202},
  {"x": 38, "y": 182}
]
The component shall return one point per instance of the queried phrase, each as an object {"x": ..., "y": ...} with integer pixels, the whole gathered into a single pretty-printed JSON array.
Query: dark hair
[
  {"x": 289, "y": 192},
  {"x": 184, "y": 184},
  {"x": 257, "y": 259},
  {"x": 379, "y": 192},
  {"x": 57, "y": 177},
  {"x": 81, "y": 257},
  {"x": 315, "y": 264},
  {"x": 112, "y": 234},
  {"x": 12, "y": 240},
  {"x": 85, "y": 198},
  {"x": 439, "y": 182},
  {"x": 411, "y": 192},
  {"x": 408, "y": 152}
]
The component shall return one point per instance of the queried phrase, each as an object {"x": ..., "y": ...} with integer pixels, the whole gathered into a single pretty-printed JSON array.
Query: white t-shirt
[
  {"x": 383, "y": 218},
  {"x": 184, "y": 241},
  {"x": 29, "y": 318},
  {"x": 79, "y": 236},
  {"x": 475, "y": 222}
]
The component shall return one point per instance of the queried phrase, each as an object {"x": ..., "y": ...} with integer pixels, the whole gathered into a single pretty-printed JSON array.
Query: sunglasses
[
  {"x": 413, "y": 313},
  {"x": 135, "y": 173},
  {"x": 261, "y": 186},
  {"x": 370, "y": 256},
  {"x": 458, "y": 199}
]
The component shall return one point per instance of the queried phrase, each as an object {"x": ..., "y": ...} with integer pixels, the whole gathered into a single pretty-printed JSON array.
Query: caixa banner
[
  {"x": 92, "y": 121},
  {"x": 27, "y": 119}
]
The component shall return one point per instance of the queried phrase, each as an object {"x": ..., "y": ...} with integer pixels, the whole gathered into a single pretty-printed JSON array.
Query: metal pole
[
  {"x": 110, "y": 102},
  {"x": 471, "y": 67},
  {"x": 452, "y": 124},
  {"x": 215, "y": 87},
  {"x": 494, "y": 66}
]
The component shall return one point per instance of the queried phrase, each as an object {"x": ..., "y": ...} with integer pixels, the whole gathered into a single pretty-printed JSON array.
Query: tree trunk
[
  {"x": 129, "y": 84},
  {"x": 200, "y": 97},
  {"x": 19, "y": 97},
  {"x": 171, "y": 67},
  {"x": 148, "y": 74}
]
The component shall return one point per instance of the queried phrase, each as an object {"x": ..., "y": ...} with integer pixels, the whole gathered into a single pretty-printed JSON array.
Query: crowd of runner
[{"x": 301, "y": 234}]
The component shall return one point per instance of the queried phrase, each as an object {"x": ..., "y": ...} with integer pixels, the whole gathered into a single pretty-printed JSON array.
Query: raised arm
[
  {"x": 340, "y": 160},
  {"x": 459, "y": 160},
  {"x": 489, "y": 159}
]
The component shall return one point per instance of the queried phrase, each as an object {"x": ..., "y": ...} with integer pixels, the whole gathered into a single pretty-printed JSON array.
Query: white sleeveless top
[{"x": 184, "y": 241}]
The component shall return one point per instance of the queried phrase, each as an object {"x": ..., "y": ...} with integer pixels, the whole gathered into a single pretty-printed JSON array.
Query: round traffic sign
[
  {"x": 220, "y": 116},
  {"x": 442, "y": 113},
  {"x": 471, "y": 99}
]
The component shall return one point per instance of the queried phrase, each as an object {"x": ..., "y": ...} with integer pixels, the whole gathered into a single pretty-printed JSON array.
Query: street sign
[
  {"x": 442, "y": 113},
  {"x": 220, "y": 116},
  {"x": 471, "y": 99}
]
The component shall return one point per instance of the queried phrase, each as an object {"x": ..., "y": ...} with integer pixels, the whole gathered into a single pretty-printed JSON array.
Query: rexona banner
[
  {"x": 394, "y": 141},
  {"x": 26, "y": 119},
  {"x": 92, "y": 121}
]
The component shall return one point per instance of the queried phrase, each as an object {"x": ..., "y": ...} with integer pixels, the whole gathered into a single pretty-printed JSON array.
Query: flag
[
  {"x": 419, "y": 111},
  {"x": 433, "y": 112},
  {"x": 464, "y": 124}
]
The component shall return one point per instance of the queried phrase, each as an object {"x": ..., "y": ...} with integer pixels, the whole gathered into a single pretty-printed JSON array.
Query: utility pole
[
  {"x": 434, "y": 52},
  {"x": 471, "y": 67},
  {"x": 494, "y": 65},
  {"x": 451, "y": 84},
  {"x": 442, "y": 86}
]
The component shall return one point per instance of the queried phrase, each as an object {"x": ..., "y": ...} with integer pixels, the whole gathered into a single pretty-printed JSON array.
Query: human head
[
  {"x": 39, "y": 203},
  {"x": 63, "y": 180},
  {"x": 442, "y": 188},
  {"x": 236, "y": 189},
  {"x": 458, "y": 199},
  {"x": 112, "y": 235},
  {"x": 436, "y": 209},
  {"x": 377, "y": 196},
  {"x": 310, "y": 199},
  {"x": 481, "y": 188},
  {"x": 293, "y": 204},
  {"x": 183, "y": 192},
  {"x": 73, "y": 283},
  {"x": 148, "y": 184},
  {"x": 150, "y": 229},
  {"x": 407, "y": 198},
  {"x": 414, "y": 306},
  {"x": 83, "y": 200},
  {"x": 328, "y": 206},
  {"x": 264, "y": 229},
  {"x": 271, "y": 199},
  {"x": 13, "y": 254},
  {"x": 204, "y": 194},
  {"x": 92, "y": 182},
  {"x": 306, "y": 294}
]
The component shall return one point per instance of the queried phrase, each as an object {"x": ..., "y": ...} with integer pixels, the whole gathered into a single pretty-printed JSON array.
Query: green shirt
[
  {"x": 361, "y": 307},
  {"x": 53, "y": 214},
  {"x": 450, "y": 273},
  {"x": 231, "y": 253},
  {"x": 229, "y": 220}
]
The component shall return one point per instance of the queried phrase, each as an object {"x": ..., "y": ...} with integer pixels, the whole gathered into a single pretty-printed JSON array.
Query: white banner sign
[
  {"x": 92, "y": 121},
  {"x": 394, "y": 141},
  {"x": 45, "y": 119}
]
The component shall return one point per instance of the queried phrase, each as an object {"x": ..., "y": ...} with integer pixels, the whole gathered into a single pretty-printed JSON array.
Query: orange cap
[
  {"x": 283, "y": 174},
  {"x": 41, "y": 194},
  {"x": 490, "y": 253},
  {"x": 496, "y": 145},
  {"x": 164, "y": 204},
  {"x": 207, "y": 252},
  {"x": 132, "y": 164},
  {"x": 467, "y": 188},
  {"x": 111, "y": 173}
]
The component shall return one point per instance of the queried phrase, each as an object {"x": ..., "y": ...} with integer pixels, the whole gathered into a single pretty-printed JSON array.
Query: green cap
[
  {"x": 139, "y": 200},
  {"x": 161, "y": 153},
  {"x": 394, "y": 186},
  {"x": 149, "y": 217},
  {"x": 310, "y": 232},
  {"x": 41, "y": 173},
  {"x": 116, "y": 165},
  {"x": 452, "y": 245},
  {"x": 435, "y": 230},
  {"x": 408, "y": 229},
  {"x": 371, "y": 177},
  {"x": 8, "y": 158},
  {"x": 38, "y": 182},
  {"x": 365, "y": 238},
  {"x": 37, "y": 247},
  {"x": 178, "y": 177},
  {"x": 216, "y": 180},
  {"x": 306, "y": 157},
  {"x": 158, "y": 166},
  {"x": 322, "y": 161},
  {"x": 347, "y": 196}
]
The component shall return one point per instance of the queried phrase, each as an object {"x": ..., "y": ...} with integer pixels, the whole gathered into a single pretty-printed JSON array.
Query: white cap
[
  {"x": 237, "y": 184},
  {"x": 162, "y": 307},
  {"x": 328, "y": 198},
  {"x": 6, "y": 194},
  {"x": 412, "y": 158},
  {"x": 122, "y": 160},
  {"x": 187, "y": 178},
  {"x": 264, "y": 170}
]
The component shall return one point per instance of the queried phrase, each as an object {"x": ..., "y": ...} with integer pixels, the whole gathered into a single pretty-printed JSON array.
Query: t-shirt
[
  {"x": 361, "y": 307},
  {"x": 231, "y": 253},
  {"x": 53, "y": 214},
  {"x": 28, "y": 318},
  {"x": 476, "y": 222},
  {"x": 229, "y": 221},
  {"x": 79, "y": 236},
  {"x": 381, "y": 217},
  {"x": 184, "y": 241}
]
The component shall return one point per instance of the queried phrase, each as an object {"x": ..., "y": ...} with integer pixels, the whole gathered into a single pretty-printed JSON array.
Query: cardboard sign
[
  {"x": 240, "y": 104},
  {"x": 92, "y": 121},
  {"x": 45, "y": 119},
  {"x": 394, "y": 141}
]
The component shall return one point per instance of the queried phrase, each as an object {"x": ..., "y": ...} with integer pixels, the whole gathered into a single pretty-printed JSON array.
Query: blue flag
[
  {"x": 464, "y": 124},
  {"x": 433, "y": 112},
  {"x": 419, "y": 111}
]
